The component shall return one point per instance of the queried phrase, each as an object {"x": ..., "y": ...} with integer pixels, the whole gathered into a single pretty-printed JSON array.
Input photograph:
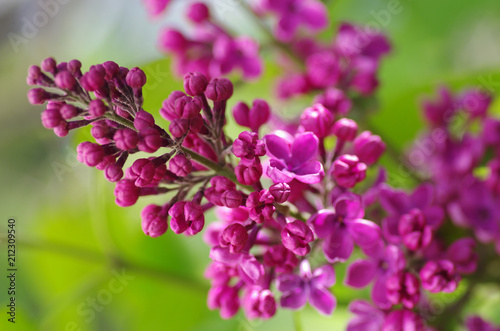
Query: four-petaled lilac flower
[
  {"x": 398, "y": 227},
  {"x": 382, "y": 262},
  {"x": 308, "y": 286},
  {"x": 293, "y": 158},
  {"x": 342, "y": 227}
]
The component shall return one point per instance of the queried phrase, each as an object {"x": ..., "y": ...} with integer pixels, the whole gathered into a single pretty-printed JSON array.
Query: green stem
[
  {"x": 296, "y": 321},
  {"x": 120, "y": 120}
]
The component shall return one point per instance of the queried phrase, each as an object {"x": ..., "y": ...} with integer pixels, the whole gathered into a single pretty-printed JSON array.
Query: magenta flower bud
[
  {"x": 107, "y": 160},
  {"x": 219, "y": 89},
  {"x": 221, "y": 183},
  {"x": 187, "y": 107},
  {"x": 413, "y": 229},
  {"x": 113, "y": 172},
  {"x": 224, "y": 298},
  {"x": 335, "y": 101},
  {"x": 97, "y": 108},
  {"x": 248, "y": 172},
  {"x": 167, "y": 110},
  {"x": 180, "y": 165},
  {"x": 172, "y": 41},
  {"x": 323, "y": 69},
  {"x": 231, "y": 199},
  {"x": 68, "y": 111},
  {"x": 186, "y": 217},
  {"x": 296, "y": 237},
  {"x": 280, "y": 258},
  {"x": 93, "y": 80},
  {"x": 318, "y": 120},
  {"x": 198, "y": 12},
  {"x": 235, "y": 236},
  {"x": 195, "y": 83},
  {"x": 126, "y": 193},
  {"x": 345, "y": 129},
  {"x": 38, "y": 96},
  {"x": 439, "y": 276},
  {"x": 89, "y": 153},
  {"x": 462, "y": 254},
  {"x": 403, "y": 287},
  {"x": 348, "y": 171},
  {"x": 154, "y": 223},
  {"x": 368, "y": 147},
  {"x": 149, "y": 140},
  {"x": 49, "y": 65},
  {"x": 143, "y": 120},
  {"x": 51, "y": 118},
  {"x": 248, "y": 145},
  {"x": 136, "y": 78},
  {"x": 65, "y": 80},
  {"x": 178, "y": 127},
  {"x": 111, "y": 68},
  {"x": 74, "y": 67},
  {"x": 280, "y": 192},
  {"x": 259, "y": 303},
  {"x": 143, "y": 171},
  {"x": 34, "y": 74},
  {"x": 254, "y": 117},
  {"x": 62, "y": 129},
  {"x": 126, "y": 139}
]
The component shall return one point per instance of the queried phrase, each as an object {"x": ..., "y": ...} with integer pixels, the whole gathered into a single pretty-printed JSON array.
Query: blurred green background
[{"x": 83, "y": 262}]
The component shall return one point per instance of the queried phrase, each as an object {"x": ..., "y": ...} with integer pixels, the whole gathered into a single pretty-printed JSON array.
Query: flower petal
[
  {"x": 379, "y": 293},
  {"x": 364, "y": 233},
  {"x": 278, "y": 144},
  {"x": 304, "y": 149},
  {"x": 360, "y": 273},
  {"x": 288, "y": 282},
  {"x": 278, "y": 173},
  {"x": 338, "y": 246},
  {"x": 310, "y": 172},
  {"x": 321, "y": 299},
  {"x": 324, "y": 276},
  {"x": 295, "y": 299},
  {"x": 222, "y": 255}
]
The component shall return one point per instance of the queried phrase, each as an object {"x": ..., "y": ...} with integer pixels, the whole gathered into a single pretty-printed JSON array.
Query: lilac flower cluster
[{"x": 294, "y": 203}]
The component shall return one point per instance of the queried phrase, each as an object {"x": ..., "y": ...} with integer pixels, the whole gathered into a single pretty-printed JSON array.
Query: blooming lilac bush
[{"x": 296, "y": 202}]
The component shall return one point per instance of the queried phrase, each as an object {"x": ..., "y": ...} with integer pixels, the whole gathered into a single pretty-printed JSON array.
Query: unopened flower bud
[
  {"x": 348, "y": 171},
  {"x": 136, "y": 78},
  {"x": 280, "y": 192},
  {"x": 345, "y": 129},
  {"x": 219, "y": 89},
  {"x": 235, "y": 236},
  {"x": 195, "y": 83},
  {"x": 154, "y": 223},
  {"x": 180, "y": 165}
]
